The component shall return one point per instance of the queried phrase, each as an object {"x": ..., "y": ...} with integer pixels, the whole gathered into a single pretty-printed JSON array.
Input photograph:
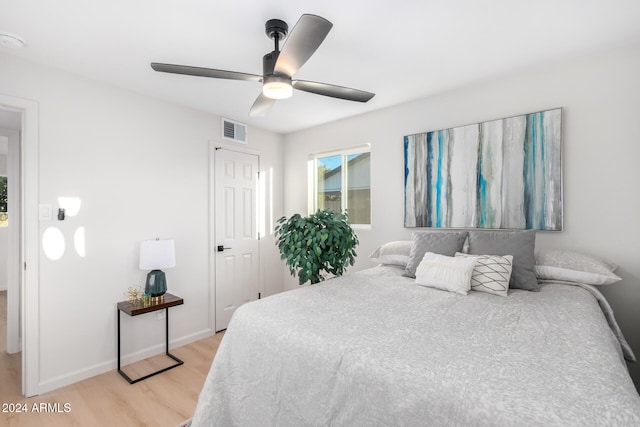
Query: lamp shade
[{"x": 157, "y": 254}]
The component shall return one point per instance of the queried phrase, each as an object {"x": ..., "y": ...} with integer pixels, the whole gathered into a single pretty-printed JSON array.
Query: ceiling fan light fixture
[{"x": 277, "y": 87}]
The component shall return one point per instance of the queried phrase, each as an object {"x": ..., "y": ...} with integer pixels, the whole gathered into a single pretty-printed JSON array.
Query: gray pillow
[
  {"x": 439, "y": 242},
  {"x": 520, "y": 244}
]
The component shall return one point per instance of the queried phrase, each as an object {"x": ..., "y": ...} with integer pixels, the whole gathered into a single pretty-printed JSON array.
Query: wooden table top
[{"x": 170, "y": 300}]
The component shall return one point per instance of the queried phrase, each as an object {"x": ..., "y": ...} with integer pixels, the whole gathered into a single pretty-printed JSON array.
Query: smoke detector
[{"x": 10, "y": 41}]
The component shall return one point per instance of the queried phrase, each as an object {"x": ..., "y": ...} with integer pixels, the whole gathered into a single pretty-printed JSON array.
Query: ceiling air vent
[{"x": 234, "y": 131}]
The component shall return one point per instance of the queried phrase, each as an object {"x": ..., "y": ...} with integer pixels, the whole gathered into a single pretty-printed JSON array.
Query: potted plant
[{"x": 323, "y": 242}]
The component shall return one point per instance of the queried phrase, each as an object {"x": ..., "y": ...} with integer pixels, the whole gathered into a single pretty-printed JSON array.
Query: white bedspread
[{"x": 373, "y": 349}]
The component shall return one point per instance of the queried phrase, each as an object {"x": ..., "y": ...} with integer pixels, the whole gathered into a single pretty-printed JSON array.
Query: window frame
[{"x": 312, "y": 169}]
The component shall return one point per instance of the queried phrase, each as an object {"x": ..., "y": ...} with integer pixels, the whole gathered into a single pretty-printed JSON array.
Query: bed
[{"x": 372, "y": 348}]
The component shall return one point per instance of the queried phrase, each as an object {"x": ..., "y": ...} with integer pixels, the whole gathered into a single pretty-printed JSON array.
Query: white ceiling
[{"x": 401, "y": 50}]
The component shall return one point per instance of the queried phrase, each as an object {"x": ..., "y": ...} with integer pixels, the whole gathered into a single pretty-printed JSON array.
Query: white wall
[
  {"x": 141, "y": 169},
  {"x": 600, "y": 96}
]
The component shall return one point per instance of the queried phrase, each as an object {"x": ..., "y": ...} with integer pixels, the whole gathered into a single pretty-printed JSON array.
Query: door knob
[{"x": 221, "y": 248}]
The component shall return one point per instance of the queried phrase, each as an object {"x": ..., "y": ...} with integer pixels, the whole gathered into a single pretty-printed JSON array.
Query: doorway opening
[
  {"x": 22, "y": 305},
  {"x": 10, "y": 251}
]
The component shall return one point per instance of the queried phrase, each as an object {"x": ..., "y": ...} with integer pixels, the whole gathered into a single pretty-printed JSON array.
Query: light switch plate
[{"x": 45, "y": 212}]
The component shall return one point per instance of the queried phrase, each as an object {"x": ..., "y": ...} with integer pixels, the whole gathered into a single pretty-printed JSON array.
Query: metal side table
[{"x": 137, "y": 309}]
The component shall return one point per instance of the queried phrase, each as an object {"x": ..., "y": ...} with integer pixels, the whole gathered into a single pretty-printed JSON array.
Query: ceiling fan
[{"x": 280, "y": 65}]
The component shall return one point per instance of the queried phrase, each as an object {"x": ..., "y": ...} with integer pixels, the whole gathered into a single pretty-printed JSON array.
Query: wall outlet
[{"x": 161, "y": 314}]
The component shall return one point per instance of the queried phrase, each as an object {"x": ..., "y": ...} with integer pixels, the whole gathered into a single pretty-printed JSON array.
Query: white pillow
[
  {"x": 445, "y": 272},
  {"x": 555, "y": 264},
  {"x": 395, "y": 253},
  {"x": 491, "y": 273}
]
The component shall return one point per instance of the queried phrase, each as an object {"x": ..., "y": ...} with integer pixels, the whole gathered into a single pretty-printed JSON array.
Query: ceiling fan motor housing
[
  {"x": 275, "y": 85},
  {"x": 269, "y": 63}
]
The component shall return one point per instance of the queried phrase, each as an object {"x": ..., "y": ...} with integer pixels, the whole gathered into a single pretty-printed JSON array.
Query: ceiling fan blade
[
  {"x": 204, "y": 72},
  {"x": 307, "y": 35},
  {"x": 333, "y": 91},
  {"x": 261, "y": 106}
]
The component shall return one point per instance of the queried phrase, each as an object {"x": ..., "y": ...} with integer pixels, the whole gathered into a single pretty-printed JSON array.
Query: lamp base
[{"x": 156, "y": 285}]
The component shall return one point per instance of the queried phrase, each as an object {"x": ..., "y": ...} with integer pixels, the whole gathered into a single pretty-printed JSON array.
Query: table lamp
[{"x": 154, "y": 255}]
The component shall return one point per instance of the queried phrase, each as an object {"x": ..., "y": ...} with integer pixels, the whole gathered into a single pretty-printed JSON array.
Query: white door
[{"x": 236, "y": 234}]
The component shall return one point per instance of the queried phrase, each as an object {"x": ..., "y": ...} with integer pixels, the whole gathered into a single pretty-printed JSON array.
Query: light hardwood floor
[{"x": 108, "y": 400}]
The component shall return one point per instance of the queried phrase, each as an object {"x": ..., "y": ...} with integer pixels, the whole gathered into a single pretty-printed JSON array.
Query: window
[{"x": 332, "y": 173}]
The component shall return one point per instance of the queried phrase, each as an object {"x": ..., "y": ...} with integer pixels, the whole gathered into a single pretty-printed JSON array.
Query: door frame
[
  {"x": 29, "y": 284},
  {"x": 213, "y": 147}
]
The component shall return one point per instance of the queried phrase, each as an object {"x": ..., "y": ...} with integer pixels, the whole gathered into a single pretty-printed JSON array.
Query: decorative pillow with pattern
[
  {"x": 491, "y": 273},
  {"x": 519, "y": 244},
  {"x": 445, "y": 272}
]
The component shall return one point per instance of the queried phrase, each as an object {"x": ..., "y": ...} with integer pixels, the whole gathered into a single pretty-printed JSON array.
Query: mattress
[{"x": 372, "y": 348}]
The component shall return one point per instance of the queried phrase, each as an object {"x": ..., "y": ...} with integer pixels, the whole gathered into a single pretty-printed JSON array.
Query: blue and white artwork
[{"x": 501, "y": 174}]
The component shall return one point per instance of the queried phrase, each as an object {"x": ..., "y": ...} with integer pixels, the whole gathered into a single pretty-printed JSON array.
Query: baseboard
[{"x": 111, "y": 365}]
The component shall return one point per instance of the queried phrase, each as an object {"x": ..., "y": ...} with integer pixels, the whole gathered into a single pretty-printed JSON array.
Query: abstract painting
[{"x": 500, "y": 174}]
